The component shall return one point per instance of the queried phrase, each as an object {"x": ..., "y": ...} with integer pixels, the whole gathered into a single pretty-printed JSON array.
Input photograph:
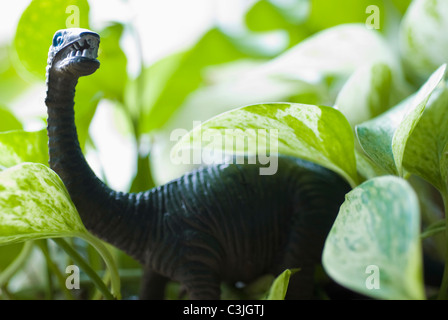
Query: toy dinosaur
[{"x": 222, "y": 222}]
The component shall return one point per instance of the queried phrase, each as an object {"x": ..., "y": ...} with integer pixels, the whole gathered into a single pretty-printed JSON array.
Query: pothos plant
[{"x": 384, "y": 123}]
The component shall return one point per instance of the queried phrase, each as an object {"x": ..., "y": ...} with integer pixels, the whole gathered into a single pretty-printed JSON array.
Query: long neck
[{"x": 104, "y": 212}]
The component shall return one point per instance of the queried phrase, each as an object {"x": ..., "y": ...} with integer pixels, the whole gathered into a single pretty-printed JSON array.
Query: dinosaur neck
[
  {"x": 66, "y": 158},
  {"x": 103, "y": 211}
]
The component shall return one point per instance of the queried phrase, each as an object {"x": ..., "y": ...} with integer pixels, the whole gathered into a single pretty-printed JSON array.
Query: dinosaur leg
[
  {"x": 301, "y": 283},
  {"x": 203, "y": 288},
  {"x": 201, "y": 283},
  {"x": 153, "y": 285}
]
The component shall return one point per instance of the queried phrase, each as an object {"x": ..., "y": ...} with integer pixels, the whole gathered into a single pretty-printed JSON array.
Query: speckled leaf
[
  {"x": 426, "y": 151},
  {"x": 423, "y": 40},
  {"x": 384, "y": 138},
  {"x": 316, "y": 133},
  {"x": 22, "y": 146},
  {"x": 366, "y": 93},
  {"x": 35, "y": 204},
  {"x": 36, "y": 28},
  {"x": 374, "y": 245}
]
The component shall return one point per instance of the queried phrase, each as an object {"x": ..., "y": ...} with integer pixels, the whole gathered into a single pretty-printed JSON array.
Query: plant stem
[
  {"x": 85, "y": 266},
  {"x": 51, "y": 266},
  {"x": 17, "y": 263},
  {"x": 443, "y": 293},
  {"x": 108, "y": 259}
]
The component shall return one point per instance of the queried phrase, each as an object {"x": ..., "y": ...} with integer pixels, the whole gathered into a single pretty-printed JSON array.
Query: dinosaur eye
[{"x": 58, "y": 39}]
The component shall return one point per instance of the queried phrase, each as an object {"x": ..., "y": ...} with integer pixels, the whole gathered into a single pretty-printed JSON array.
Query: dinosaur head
[{"x": 74, "y": 52}]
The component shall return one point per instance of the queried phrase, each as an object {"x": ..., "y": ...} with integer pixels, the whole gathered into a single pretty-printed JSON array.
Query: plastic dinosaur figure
[{"x": 223, "y": 222}]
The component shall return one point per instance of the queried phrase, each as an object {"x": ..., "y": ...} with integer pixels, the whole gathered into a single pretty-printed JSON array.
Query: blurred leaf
[
  {"x": 336, "y": 52},
  {"x": 8, "y": 254},
  {"x": 423, "y": 41},
  {"x": 366, "y": 94},
  {"x": 111, "y": 77},
  {"x": 378, "y": 228},
  {"x": 426, "y": 151},
  {"x": 11, "y": 84},
  {"x": 294, "y": 12},
  {"x": 384, "y": 138},
  {"x": 213, "y": 48},
  {"x": 141, "y": 93},
  {"x": 316, "y": 133},
  {"x": 143, "y": 180},
  {"x": 367, "y": 168},
  {"x": 402, "y": 5},
  {"x": 264, "y": 16},
  {"x": 267, "y": 15},
  {"x": 21, "y": 146},
  {"x": 8, "y": 121},
  {"x": 37, "y": 25},
  {"x": 35, "y": 204},
  {"x": 19, "y": 261},
  {"x": 325, "y": 14}
]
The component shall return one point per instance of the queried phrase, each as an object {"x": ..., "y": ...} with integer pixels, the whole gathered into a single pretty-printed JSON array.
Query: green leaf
[
  {"x": 8, "y": 254},
  {"x": 402, "y": 5},
  {"x": 367, "y": 169},
  {"x": 374, "y": 245},
  {"x": 34, "y": 204},
  {"x": 426, "y": 151},
  {"x": 36, "y": 27},
  {"x": 423, "y": 41},
  {"x": 266, "y": 15},
  {"x": 22, "y": 146},
  {"x": 384, "y": 138},
  {"x": 366, "y": 94},
  {"x": 316, "y": 133},
  {"x": 8, "y": 121},
  {"x": 11, "y": 84},
  {"x": 141, "y": 93},
  {"x": 111, "y": 78},
  {"x": 280, "y": 285},
  {"x": 325, "y": 14}
]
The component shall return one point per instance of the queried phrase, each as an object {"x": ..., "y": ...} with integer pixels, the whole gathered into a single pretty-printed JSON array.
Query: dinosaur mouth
[
  {"x": 81, "y": 55},
  {"x": 86, "y": 47}
]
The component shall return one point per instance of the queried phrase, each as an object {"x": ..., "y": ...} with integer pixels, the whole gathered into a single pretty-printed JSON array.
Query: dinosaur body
[{"x": 223, "y": 222}]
